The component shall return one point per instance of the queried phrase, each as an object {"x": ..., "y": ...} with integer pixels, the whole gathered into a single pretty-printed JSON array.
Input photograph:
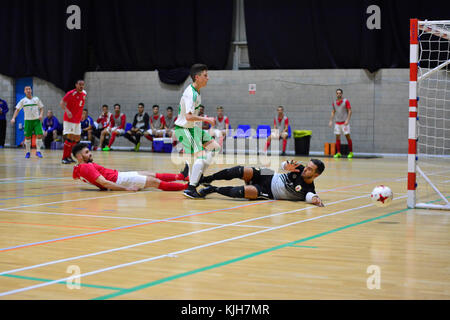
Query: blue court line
[{"x": 125, "y": 227}]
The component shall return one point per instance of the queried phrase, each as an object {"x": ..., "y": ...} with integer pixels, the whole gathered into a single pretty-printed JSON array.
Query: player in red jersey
[
  {"x": 72, "y": 104},
  {"x": 342, "y": 112},
  {"x": 108, "y": 179},
  {"x": 116, "y": 126},
  {"x": 280, "y": 129}
]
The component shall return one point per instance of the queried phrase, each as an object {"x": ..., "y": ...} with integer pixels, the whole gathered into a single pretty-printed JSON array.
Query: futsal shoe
[
  {"x": 185, "y": 171},
  {"x": 208, "y": 190},
  {"x": 106, "y": 149},
  {"x": 338, "y": 155},
  {"x": 350, "y": 155},
  {"x": 38, "y": 154},
  {"x": 192, "y": 193},
  {"x": 136, "y": 148},
  {"x": 27, "y": 156},
  {"x": 66, "y": 161}
]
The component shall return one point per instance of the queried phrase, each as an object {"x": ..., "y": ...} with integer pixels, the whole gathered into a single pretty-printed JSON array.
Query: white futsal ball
[{"x": 382, "y": 196}]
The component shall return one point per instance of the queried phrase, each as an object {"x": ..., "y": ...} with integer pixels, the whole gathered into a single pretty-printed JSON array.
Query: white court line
[
  {"x": 126, "y": 218},
  {"x": 172, "y": 237},
  {"x": 130, "y": 218},
  {"x": 172, "y": 254}
]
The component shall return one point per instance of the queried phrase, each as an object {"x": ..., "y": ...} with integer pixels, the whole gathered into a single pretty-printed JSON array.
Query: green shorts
[
  {"x": 192, "y": 139},
  {"x": 33, "y": 126}
]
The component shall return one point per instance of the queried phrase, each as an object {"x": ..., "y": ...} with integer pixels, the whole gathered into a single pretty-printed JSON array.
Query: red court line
[{"x": 51, "y": 225}]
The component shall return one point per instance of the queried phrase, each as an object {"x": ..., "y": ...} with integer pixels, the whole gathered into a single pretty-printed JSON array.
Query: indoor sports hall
[{"x": 65, "y": 239}]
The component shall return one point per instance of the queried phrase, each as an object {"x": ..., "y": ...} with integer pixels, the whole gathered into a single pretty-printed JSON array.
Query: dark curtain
[
  {"x": 132, "y": 35},
  {"x": 36, "y": 42},
  {"x": 320, "y": 34},
  {"x": 163, "y": 35}
]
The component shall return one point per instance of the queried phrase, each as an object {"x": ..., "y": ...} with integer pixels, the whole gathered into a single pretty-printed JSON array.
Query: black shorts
[{"x": 263, "y": 182}]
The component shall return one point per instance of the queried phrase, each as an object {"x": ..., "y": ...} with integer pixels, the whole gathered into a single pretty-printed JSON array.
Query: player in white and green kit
[
  {"x": 33, "y": 111},
  {"x": 189, "y": 132}
]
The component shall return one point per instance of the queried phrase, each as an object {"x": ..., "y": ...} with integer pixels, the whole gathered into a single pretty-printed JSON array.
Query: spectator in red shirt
[
  {"x": 116, "y": 126},
  {"x": 108, "y": 179},
  {"x": 280, "y": 129},
  {"x": 103, "y": 122},
  {"x": 72, "y": 104}
]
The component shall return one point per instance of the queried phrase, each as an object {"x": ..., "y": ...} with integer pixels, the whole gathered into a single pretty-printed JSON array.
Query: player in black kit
[{"x": 263, "y": 183}]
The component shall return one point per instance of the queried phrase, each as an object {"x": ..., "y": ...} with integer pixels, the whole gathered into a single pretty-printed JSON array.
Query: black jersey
[{"x": 291, "y": 186}]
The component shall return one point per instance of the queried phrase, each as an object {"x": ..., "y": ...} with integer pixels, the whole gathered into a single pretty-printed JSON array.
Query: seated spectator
[
  {"x": 51, "y": 128},
  {"x": 201, "y": 113},
  {"x": 103, "y": 122},
  {"x": 157, "y": 123},
  {"x": 87, "y": 127},
  {"x": 220, "y": 129},
  {"x": 280, "y": 129},
  {"x": 140, "y": 126},
  {"x": 116, "y": 126},
  {"x": 170, "y": 123}
]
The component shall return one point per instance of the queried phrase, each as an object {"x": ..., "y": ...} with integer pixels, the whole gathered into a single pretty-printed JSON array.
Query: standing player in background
[
  {"x": 116, "y": 126},
  {"x": 188, "y": 129},
  {"x": 343, "y": 111},
  {"x": 3, "y": 111},
  {"x": 34, "y": 113},
  {"x": 72, "y": 104},
  {"x": 220, "y": 130},
  {"x": 280, "y": 129}
]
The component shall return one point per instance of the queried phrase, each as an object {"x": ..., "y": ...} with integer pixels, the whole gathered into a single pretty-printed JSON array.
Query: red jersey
[
  {"x": 341, "y": 108},
  {"x": 75, "y": 103},
  {"x": 118, "y": 121},
  {"x": 104, "y": 120},
  {"x": 280, "y": 123},
  {"x": 158, "y": 121},
  {"x": 89, "y": 172}
]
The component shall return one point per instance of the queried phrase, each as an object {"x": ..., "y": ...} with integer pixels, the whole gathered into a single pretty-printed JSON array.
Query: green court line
[
  {"x": 248, "y": 256},
  {"x": 61, "y": 282},
  {"x": 294, "y": 245}
]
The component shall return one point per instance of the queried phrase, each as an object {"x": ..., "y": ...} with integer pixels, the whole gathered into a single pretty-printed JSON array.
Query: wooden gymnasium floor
[{"x": 160, "y": 245}]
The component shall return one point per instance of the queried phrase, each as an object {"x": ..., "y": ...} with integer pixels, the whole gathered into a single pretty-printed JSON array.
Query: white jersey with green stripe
[
  {"x": 31, "y": 107},
  {"x": 189, "y": 103}
]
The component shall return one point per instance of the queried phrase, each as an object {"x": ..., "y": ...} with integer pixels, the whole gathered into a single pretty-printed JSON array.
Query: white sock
[
  {"x": 197, "y": 171},
  {"x": 28, "y": 145},
  {"x": 38, "y": 145}
]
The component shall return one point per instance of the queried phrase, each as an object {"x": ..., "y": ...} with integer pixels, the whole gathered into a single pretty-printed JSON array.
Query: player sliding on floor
[
  {"x": 107, "y": 179},
  {"x": 297, "y": 185}
]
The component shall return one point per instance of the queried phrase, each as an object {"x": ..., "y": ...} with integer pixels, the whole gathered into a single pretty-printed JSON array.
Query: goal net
[{"x": 429, "y": 115}]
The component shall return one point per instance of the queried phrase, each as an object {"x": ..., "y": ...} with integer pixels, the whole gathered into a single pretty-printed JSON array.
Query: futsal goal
[{"x": 429, "y": 115}]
